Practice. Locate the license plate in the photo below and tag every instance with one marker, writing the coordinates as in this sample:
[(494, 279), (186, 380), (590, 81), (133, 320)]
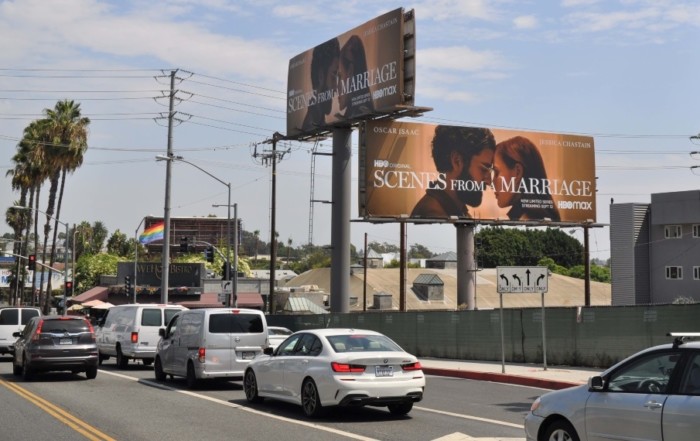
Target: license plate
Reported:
[(384, 371), (248, 355), (65, 341)]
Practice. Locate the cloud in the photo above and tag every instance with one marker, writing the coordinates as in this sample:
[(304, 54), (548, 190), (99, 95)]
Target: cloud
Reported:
[(440, 10), (461, 59), (574, 3), (525, 22)]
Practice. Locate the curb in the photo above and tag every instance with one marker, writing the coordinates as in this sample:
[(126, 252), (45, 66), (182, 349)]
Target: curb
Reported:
[(501, 378)]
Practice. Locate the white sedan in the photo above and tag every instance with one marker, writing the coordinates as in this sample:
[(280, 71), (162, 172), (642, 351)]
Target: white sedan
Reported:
[(337, 367), (276, 335)]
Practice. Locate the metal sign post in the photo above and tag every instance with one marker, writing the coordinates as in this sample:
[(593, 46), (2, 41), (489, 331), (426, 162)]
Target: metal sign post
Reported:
[(522, 279)]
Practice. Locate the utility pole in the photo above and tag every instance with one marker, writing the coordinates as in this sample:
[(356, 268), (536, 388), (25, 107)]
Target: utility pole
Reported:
[(165, 262), (273, 157)]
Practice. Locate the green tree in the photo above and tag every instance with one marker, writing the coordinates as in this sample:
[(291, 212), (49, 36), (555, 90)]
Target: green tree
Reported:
[(119, 244), (90, 267), (418, 251)]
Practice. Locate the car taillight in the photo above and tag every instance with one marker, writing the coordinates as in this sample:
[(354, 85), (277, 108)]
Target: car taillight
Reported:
[(134, 337), (345, 367), (412, 366), (201, 355), (37, 334)]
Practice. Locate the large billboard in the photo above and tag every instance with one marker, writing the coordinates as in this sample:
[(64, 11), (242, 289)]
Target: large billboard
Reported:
[(353, 76), (428, 172)]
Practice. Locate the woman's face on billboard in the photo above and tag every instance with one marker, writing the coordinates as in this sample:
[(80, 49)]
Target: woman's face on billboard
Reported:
[(505, 180)]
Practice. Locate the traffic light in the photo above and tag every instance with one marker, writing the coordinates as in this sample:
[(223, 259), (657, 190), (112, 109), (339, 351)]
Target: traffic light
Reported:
[(183, 244), (209, 254), (68, 286), (31, 262), (127, 284)]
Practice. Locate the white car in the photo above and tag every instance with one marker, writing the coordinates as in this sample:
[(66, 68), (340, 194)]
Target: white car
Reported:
[(652, 395), (319, 368), (276, 335)]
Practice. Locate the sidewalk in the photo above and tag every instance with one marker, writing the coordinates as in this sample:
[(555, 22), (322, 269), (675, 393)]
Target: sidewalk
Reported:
[(554, 377)]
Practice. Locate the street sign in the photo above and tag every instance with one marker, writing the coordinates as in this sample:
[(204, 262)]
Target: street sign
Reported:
[(226, 291), (522, 279)]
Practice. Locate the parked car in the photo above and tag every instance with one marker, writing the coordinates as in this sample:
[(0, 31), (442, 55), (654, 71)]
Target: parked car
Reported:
[(652, 395), (13, 319), (55, 343), (276, 335), (337, 367), (130, 332), (210, 343)]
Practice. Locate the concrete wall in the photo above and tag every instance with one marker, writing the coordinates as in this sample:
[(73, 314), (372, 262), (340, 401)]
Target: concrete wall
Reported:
[(589, 337)]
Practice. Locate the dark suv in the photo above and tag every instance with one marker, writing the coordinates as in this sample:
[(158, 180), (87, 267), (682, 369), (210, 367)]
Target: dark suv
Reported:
[(56, 343)]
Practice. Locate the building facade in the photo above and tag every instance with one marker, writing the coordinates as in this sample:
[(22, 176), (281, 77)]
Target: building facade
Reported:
[(655, 257)]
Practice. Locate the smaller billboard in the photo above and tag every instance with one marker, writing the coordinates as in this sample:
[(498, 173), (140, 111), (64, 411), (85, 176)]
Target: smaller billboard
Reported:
[(350, 77), (447, 173)]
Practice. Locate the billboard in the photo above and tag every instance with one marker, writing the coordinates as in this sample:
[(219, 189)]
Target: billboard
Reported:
[(446, 173), (353, 76)]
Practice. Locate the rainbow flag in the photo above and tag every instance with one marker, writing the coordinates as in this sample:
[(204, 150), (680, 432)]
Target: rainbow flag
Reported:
[(152, 234)]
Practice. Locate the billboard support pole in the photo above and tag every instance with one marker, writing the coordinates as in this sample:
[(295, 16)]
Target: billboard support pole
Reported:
[(466, 270), (402, 271), (340, 220), (587, 264)]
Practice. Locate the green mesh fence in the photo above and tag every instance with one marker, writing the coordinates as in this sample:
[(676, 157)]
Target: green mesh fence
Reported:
[(588, 337)]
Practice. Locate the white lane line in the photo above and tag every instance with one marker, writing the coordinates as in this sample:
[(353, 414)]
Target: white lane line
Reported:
[(469, 417), (457, 436), (243, 408)]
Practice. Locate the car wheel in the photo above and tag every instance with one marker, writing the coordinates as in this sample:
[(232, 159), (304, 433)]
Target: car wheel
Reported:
[(122, 361), (158, 369), (191, 378), (400, 408), (26, 370), (91, 372), (16, 369), (560, 431), (101, 357), (250, 386), (310, 401)]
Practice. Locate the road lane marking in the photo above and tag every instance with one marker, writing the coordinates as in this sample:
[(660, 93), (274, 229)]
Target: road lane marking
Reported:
[(61, 415), (457, 436), (470, 417), (243, 408)]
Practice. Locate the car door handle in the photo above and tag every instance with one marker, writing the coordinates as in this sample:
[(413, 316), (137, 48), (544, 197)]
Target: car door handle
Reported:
[(653, 405)]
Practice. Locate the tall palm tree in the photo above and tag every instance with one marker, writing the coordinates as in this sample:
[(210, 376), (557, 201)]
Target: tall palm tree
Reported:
[(68, 130)]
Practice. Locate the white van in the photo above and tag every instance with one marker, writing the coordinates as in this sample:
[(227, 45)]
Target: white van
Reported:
[(131, 331), (13, 319), (210, 343)]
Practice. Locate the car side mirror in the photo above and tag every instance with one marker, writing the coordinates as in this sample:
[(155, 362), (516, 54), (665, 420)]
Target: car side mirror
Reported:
[(17, 334), (100, 322), (268, 351), (161, 332), (596, 383)]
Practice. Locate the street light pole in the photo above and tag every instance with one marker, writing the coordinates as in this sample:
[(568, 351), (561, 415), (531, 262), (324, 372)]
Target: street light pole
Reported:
[(136, 255), (227, 272), (65, 256)]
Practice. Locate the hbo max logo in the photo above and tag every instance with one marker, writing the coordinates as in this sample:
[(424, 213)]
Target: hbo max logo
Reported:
[(381, 163)]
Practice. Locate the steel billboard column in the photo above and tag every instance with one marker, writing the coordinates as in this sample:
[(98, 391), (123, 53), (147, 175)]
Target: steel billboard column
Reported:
[(466, 269), (340, 221)]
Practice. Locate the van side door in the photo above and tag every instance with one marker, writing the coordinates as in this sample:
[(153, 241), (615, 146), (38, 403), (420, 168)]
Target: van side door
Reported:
[(166, 350)]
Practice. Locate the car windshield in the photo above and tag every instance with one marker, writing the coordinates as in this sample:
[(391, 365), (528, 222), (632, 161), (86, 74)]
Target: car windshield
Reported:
[(62, 326), (362, 343)]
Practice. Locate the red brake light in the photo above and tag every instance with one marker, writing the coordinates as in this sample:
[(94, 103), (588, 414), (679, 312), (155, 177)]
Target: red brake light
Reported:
[(412, 366), (346, 368), (37, 334), (202, 355), (134, 337)]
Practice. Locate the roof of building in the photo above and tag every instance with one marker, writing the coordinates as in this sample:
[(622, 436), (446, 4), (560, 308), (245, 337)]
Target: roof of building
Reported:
[(428, 279), (449, 256), (301, 305)]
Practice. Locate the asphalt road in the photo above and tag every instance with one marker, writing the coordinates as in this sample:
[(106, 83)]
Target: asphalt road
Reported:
[(130, 405)]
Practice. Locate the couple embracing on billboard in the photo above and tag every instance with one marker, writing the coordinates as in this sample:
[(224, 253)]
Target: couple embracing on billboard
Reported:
[(440, 172)]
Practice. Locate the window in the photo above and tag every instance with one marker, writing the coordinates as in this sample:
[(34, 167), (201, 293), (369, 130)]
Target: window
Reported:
[(696, 230), (151, 317), (28, 314), (674, 272), (648, 374), (696, 273), (673, 232), (9, 316), (235, 323), (691, 380)]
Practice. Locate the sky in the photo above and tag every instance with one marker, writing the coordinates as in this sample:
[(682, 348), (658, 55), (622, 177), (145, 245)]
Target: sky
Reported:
[(624, 72)]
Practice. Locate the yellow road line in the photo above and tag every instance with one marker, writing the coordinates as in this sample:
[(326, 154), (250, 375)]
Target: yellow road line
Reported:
[(61, 415)]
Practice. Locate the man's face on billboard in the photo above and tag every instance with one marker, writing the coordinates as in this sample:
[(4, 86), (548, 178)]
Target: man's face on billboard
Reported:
[(479, 171), (330, 82)]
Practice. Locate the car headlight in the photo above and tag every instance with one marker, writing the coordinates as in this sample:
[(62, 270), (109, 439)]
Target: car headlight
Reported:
[(535, 405)]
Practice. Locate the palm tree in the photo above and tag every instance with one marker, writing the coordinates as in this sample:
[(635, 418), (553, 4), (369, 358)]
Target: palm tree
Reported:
[(68, 132), (289, 248)]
